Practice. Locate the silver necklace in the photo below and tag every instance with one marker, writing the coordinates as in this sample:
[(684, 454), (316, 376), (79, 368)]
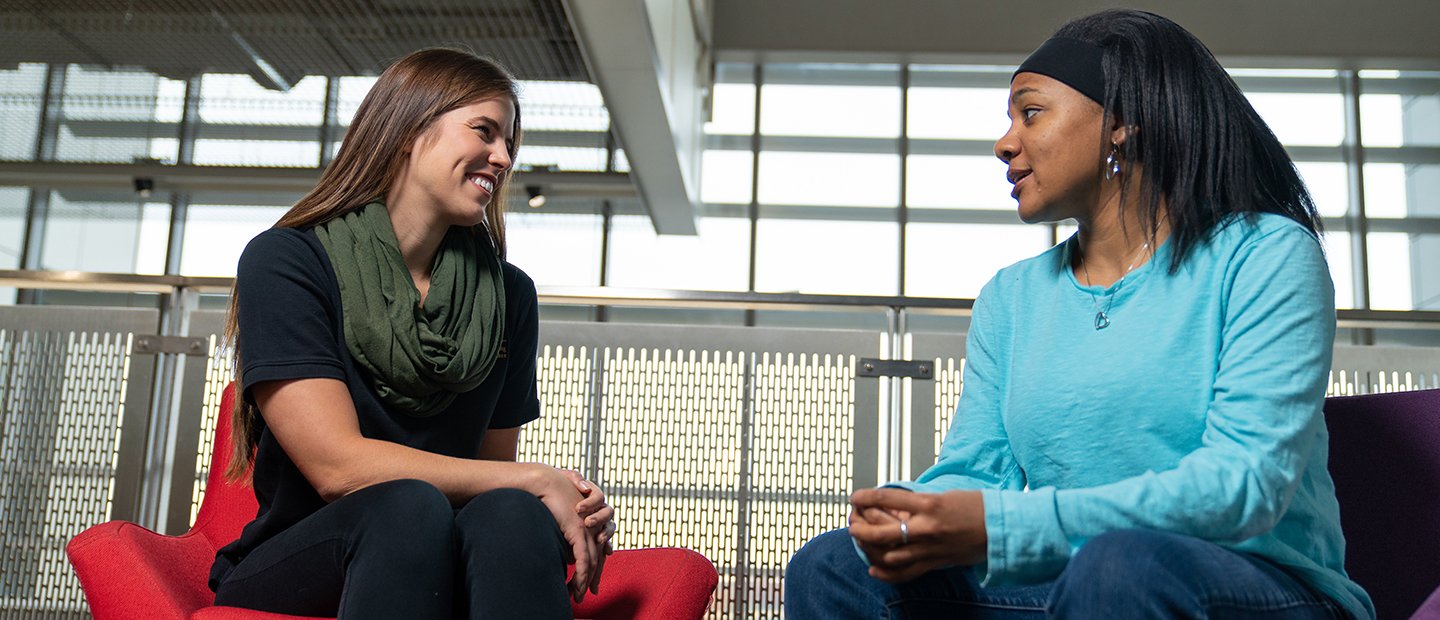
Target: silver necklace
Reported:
[(1102, 315)]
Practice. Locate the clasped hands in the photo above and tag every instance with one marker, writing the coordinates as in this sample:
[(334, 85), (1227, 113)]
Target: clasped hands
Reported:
[(586, 521), (907, 534)]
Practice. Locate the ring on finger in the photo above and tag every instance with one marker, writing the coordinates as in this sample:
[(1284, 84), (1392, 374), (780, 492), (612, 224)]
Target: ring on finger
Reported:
[(904, 532), (612, 527)]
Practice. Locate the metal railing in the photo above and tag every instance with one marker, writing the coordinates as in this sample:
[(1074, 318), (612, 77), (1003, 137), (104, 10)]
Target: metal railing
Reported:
[(739, 442)]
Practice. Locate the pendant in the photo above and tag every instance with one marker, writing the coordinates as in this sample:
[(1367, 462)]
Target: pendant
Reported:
[(1101, 320)]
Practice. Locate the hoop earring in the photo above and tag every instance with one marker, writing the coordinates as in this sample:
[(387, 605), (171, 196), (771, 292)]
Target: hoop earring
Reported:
[(1112, 162)]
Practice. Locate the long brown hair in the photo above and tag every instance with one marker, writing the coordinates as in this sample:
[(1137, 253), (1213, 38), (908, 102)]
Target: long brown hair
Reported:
[(399, 108)]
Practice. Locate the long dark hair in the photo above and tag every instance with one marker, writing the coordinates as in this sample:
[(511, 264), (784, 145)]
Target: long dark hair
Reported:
[(1205, 151), (405, 100)]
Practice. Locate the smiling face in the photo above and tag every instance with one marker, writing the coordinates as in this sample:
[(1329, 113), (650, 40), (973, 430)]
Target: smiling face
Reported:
[(457, 163), (1053, 149)]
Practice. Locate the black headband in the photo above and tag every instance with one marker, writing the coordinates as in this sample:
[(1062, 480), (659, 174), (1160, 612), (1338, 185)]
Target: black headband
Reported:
[(1076, 63)]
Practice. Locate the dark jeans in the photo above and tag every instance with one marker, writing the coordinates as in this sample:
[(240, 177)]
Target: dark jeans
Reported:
[(1124, 574), (399, 550)]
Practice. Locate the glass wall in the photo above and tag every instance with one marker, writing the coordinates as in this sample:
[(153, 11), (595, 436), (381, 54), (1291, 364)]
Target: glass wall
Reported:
[(1400, 118), (880, 179), (847, 179)]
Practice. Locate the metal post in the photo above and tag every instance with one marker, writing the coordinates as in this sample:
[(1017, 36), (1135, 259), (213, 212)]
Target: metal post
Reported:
[(607, 221), (607, 225), (903, 214), (37, 212), (595, 426), (329, 126), (180, 201), (160, 439), (896, 463), (1358, 223), (753, 210), (742, 490)]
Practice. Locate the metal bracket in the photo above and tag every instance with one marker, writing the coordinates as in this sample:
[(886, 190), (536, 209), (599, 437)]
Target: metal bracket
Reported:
[(170, 344), (874, 367)]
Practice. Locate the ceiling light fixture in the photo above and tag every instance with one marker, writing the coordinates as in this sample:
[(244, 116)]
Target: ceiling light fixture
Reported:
[(537, 198)]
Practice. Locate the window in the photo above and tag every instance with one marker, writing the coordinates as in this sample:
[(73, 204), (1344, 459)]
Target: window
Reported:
[(843, 101), (957, 182), (244, 124), (20, 93), (215, 235), (956, 260), (556, 247), (717, 259), (88, 231), (118, 116), (827, 257), (829, 179), (843, 148)]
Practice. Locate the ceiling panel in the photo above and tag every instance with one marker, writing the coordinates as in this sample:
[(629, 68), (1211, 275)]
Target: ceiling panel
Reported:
[(286, 39)]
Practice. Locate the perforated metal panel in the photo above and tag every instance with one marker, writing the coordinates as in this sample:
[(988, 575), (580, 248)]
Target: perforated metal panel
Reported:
[(670, 449), (219, 371), (949, 380), (736, 443), (564, 432), (947, 352), (68, 389), (802, 434), (740, 443), (1374, 370)]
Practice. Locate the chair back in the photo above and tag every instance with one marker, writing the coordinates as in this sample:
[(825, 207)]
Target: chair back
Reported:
[(226, 506), (1385, 459)]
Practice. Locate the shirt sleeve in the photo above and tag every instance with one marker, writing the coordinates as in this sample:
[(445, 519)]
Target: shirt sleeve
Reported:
[(1261, 425), (519, 400), (288, 321), (976, 452)]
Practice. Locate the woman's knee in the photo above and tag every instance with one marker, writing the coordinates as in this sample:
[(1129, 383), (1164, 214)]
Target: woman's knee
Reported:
[(413, 511), (824, 559), (1120, 555), (827, 579), (1123, 552), (514, 507), (1141, 570), (507, 518)]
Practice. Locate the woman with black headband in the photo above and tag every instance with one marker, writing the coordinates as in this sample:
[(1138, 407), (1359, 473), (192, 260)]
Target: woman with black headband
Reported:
[(1140, 432)]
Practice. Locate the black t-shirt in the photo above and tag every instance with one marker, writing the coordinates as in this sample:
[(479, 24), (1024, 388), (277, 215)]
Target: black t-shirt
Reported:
[(291, 328)]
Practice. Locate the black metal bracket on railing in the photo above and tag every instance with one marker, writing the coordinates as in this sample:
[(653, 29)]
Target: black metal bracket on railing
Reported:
[(874, 367), (172, 344)]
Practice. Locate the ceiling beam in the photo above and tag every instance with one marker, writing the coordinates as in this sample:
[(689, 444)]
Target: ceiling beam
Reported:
[(264, 73), (1395, 34), (69, 37), (647, 60)]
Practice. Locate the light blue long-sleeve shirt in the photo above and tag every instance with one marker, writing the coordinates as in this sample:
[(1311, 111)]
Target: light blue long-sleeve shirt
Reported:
[(1197, 411)]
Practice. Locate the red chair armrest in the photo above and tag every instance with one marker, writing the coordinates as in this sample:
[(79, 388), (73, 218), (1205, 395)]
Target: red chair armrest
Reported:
[(130, 572), (652, 584)]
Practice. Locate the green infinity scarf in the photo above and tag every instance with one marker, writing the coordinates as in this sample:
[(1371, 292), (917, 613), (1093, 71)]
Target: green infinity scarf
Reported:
[(419, 358)]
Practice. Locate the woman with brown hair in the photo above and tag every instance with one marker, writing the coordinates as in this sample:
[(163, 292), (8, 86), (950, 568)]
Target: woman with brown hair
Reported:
[(386, 359)]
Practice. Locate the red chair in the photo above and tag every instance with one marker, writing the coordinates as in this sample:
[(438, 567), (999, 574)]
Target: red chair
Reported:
[(130, 572)]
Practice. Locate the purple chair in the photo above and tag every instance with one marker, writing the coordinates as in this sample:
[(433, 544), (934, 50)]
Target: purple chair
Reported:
[(1385, 458)]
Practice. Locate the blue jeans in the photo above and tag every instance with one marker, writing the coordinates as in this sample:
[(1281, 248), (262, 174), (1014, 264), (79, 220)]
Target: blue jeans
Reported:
[(1123, 574)]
